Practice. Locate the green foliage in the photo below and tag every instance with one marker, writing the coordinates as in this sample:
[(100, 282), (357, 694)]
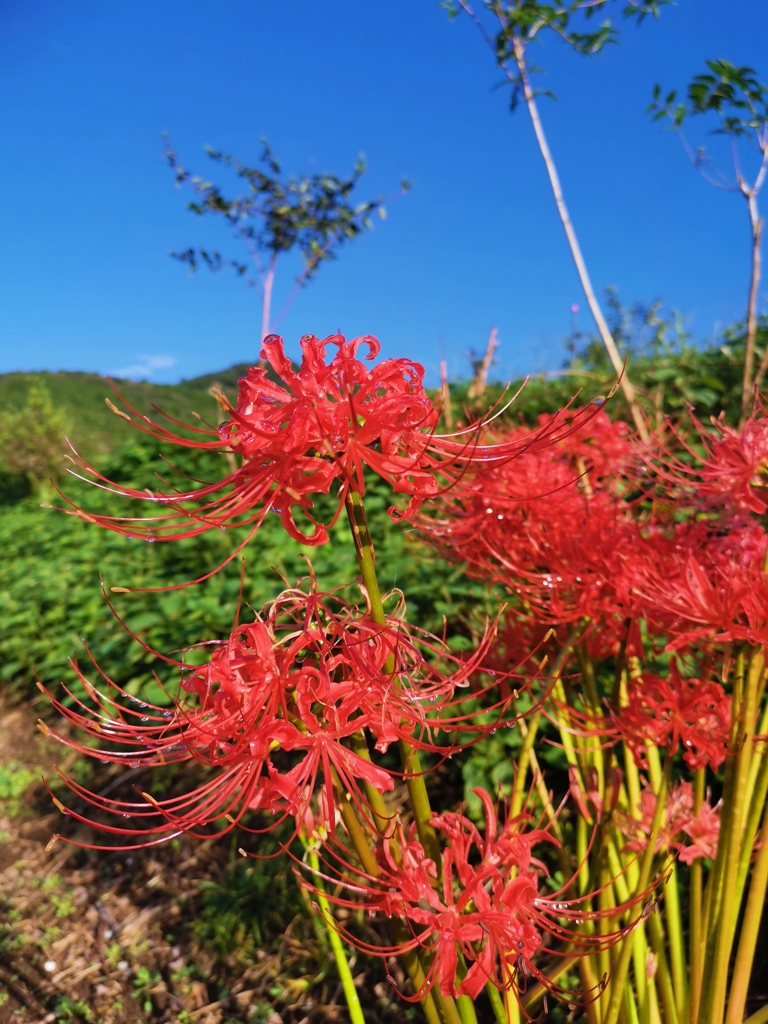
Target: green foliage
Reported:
[(15, 780), (144, 980), (670, 373), (51, 598), (72, 1010), (63, 906), (237, 915), (733, 93), (519, 22), (95, 431), (491, 766), (32, 436), (50, 592), (314, 214)]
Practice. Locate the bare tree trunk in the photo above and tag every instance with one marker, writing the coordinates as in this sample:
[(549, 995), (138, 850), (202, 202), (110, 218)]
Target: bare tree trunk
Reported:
[(578, 259), (477, 387), (266, 298), (266, 302), (748, 389), (446, 409)]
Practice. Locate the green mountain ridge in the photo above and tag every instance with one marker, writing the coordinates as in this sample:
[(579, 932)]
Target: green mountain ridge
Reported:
[(92, 428)]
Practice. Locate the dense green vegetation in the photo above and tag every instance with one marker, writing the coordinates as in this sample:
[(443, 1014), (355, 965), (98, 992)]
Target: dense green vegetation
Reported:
[(50, 593), (92, 428), (51, 597)]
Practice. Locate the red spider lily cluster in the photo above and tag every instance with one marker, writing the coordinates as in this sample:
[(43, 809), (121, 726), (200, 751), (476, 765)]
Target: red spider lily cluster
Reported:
[(483, 901), (635, 574), (315, 432), (694, 713), (273, 713), (687, 833), (644, 549)]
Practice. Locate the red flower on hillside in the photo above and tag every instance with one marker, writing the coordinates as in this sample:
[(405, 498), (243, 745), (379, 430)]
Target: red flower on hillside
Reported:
[(694, 713), (734, 470), (314, 432), (273, 712), (487, 904), (704, 579), (690, 835), (553, 527)]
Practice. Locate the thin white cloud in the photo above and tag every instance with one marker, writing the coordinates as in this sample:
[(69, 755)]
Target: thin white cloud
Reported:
[(144, 367)]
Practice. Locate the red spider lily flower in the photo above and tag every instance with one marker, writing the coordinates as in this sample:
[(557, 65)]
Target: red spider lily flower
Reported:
[(733, 474), (486, 904), (273, 712), (704, 579), (554, 529), (694, 713), (690, 835), (315, 432), (737, 467), (703, 832)]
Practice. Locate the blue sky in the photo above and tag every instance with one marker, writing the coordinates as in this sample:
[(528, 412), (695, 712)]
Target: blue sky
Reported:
[(90, 212)]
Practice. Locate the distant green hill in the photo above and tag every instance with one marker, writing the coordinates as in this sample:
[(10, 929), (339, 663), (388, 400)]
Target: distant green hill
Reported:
[(92, 428)]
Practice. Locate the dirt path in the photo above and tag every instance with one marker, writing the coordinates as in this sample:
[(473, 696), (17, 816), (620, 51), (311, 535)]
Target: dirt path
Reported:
[(109, 938)]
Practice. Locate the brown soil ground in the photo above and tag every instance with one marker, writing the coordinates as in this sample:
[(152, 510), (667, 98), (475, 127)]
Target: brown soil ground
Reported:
[(116, 938)]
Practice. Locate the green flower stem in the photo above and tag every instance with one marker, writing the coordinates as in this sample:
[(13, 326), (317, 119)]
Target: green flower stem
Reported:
[(757, 791), (497, 1004), (356, 1015), (673, 987), (465, 1005), (695, 951), (321, 933), (466, 1009), (597, 756), (400, 932), (750, 928), (382, 818), (582, 845), (757, 762), (759, 1017), (757, 797), (630, 1006), (639, 941), (654, 766), (571, 742), (532, 725), (631, 773), (523, 761), (544, 796), (606, 902), (663, 976), (715, 885), (417, 789), (632, 779), (565, 962), (744, 715), (676, 939), (618, 980), (512, 1007), (415, 972), (653, 1007), (445, 1006)]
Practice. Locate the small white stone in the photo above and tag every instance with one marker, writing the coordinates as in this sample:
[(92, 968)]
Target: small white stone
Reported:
[(50, 966)]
